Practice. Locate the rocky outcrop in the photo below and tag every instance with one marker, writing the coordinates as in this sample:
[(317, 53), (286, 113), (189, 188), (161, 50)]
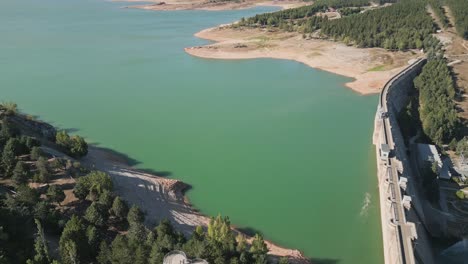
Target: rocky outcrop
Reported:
[(34, 126)]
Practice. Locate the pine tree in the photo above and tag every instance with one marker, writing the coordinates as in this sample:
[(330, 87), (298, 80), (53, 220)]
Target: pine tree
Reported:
[(141, 255), (73, 243), (93, 237), (104, 255), (121, 252), (95, 214), (106, 199), (156, 255), (9, 156), (241, 243), (6, 132), (259, 250), (42, 174), (119, 208), (135, 215), (55, 194), (62, 139), (20, 173), (40, 247), (26, 195), (36, 153), (137, 233), (78, 147)]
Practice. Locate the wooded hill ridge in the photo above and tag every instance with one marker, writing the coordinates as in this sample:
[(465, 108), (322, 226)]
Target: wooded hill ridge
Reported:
[(403, 25)]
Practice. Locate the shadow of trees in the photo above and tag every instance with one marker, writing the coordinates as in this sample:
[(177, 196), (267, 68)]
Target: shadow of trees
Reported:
[(249, 231), (324, 261)]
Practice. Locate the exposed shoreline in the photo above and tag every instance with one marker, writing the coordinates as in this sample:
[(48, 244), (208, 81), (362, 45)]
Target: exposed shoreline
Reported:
[(167, 5), (157, 196), (370, 68), (162, 198)]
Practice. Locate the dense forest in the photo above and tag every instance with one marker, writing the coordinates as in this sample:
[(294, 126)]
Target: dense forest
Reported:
[(347, 11), (381, 2), (281, 17), (459, 10), (100, 227), (437, 111), (274, 19), (404, 25), (343, 3)]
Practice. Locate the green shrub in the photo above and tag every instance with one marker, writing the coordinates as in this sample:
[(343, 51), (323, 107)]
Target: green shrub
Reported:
[(460, 194), (74, 146)]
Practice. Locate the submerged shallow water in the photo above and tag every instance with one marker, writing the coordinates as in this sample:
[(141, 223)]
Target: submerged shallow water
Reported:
[(281, 148)]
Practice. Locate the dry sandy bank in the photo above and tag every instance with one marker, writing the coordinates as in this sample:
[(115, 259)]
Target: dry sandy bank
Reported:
[(371, 68), (161, 198), (212, 5)]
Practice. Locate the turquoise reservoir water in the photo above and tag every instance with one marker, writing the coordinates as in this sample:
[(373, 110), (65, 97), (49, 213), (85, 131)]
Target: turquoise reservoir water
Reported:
[(279, 147)]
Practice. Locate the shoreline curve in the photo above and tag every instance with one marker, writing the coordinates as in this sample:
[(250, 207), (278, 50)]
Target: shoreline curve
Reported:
[(370, 68)]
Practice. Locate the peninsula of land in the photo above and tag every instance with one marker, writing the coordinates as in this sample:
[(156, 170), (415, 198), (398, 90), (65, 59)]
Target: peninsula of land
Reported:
[(370, 68), (211, 5)]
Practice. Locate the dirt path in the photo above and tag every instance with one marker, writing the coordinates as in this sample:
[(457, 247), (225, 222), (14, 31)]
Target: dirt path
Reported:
[(434, 17), (450, 17), (465, 45)]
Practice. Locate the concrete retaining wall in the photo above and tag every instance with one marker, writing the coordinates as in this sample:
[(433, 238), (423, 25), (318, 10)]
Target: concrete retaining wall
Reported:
[(401, 87), (393, 100)]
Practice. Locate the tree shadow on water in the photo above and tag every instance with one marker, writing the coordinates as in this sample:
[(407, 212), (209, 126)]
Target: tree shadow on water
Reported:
[(250, 231), (129, 161), (324, 261), (70, 130), (120, 157), (115, 155)]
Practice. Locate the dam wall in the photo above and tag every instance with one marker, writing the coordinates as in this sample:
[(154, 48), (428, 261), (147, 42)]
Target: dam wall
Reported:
[(401, 211)]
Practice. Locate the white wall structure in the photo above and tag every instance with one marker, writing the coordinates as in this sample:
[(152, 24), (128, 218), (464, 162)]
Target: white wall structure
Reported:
[(179, 257), (398, 202), (175, 257)]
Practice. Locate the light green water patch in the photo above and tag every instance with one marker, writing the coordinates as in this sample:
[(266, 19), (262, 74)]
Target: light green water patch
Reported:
[(279, 147)]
